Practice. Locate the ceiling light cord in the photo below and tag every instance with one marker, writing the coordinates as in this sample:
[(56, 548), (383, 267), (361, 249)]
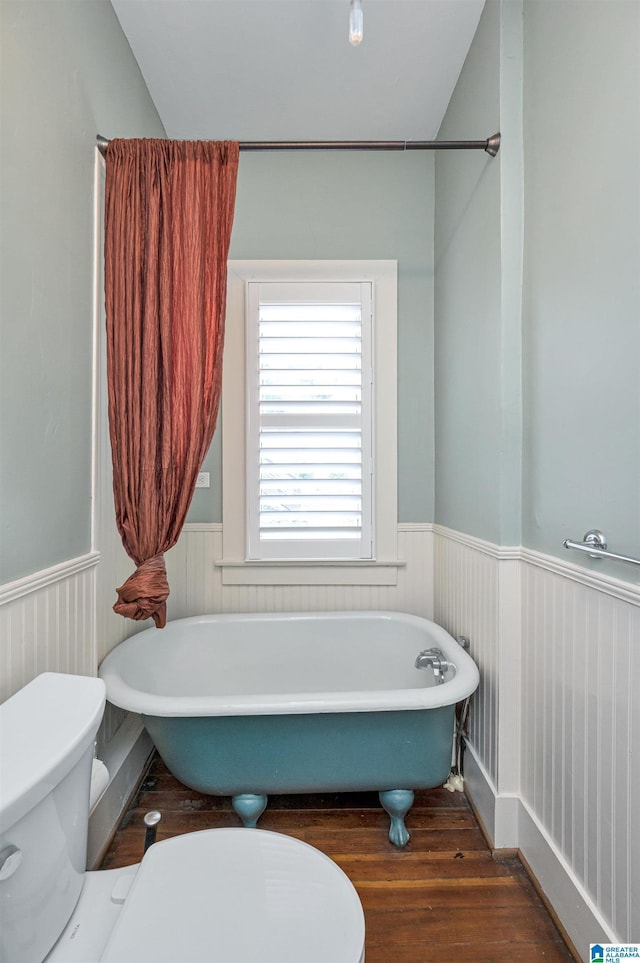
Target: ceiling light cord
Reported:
[(356, 23)]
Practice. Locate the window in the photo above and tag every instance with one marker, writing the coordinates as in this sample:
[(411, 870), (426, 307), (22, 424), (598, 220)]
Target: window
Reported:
[(309, 420), (309, 460)]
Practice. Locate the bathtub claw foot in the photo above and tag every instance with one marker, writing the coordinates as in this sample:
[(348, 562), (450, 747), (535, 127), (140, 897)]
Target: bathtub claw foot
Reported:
[(249, 807), (397, 803)]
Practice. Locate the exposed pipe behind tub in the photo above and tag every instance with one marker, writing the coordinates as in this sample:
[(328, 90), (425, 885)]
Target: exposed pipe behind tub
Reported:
[(455, 782)]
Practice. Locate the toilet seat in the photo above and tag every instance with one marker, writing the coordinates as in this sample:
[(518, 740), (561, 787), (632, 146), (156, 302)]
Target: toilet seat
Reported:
[(238, 896)]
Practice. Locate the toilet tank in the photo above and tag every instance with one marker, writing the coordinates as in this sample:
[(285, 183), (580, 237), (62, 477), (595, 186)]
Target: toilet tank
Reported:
[(47, 733)]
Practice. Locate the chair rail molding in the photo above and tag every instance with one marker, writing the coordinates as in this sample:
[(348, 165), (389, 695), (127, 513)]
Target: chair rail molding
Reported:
[(11, 591)]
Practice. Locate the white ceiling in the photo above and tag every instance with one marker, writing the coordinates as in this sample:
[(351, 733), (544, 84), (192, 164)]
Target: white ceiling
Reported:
[(284, 69)]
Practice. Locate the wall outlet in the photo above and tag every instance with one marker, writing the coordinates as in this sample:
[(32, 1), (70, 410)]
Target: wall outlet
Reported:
[(202, 480)]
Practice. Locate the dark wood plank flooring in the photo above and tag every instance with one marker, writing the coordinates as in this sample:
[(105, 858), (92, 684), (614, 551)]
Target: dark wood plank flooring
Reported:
[(445, 897)]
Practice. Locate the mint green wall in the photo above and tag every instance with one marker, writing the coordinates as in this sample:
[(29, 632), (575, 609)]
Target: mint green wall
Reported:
[(537, 295), (352, 205), (582, 275), (67, 73), (470, 440)]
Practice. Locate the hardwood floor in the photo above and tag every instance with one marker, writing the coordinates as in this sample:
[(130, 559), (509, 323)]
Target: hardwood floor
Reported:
[(445, 897)]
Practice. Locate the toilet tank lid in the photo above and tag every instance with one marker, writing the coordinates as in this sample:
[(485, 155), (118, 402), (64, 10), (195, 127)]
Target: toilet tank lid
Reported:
[(44, 730)]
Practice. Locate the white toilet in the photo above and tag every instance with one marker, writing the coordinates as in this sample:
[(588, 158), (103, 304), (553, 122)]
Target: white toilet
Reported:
[(217, 896)]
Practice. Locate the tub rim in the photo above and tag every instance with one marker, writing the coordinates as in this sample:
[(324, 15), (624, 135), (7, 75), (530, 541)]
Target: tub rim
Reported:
[(465, 681)]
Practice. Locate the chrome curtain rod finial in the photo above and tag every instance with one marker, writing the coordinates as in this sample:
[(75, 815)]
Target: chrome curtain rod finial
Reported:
[(493, 144)]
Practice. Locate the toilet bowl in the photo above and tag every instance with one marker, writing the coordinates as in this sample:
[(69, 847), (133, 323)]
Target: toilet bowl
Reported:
[(224, 896), (219, 895)]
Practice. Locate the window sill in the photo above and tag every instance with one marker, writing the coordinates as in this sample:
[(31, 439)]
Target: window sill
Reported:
[(335, 572)]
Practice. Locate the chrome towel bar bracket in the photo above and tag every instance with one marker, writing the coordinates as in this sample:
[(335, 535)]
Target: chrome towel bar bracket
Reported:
[(595, 545)]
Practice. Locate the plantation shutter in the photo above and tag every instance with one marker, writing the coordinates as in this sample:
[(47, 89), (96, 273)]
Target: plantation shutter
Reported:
[(309, 439)]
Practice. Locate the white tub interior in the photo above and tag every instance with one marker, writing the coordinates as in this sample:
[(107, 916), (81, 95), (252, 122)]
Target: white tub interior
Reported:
[(248, 661)]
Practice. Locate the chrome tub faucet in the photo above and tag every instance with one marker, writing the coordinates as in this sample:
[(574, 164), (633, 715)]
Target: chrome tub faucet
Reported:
[(434, 659)]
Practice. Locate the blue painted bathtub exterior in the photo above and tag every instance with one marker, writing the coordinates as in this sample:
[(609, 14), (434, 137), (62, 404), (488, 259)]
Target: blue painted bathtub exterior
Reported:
[(341, 752)]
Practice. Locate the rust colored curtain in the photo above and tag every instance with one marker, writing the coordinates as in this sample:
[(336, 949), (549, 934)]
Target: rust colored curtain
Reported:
[(168, 217)]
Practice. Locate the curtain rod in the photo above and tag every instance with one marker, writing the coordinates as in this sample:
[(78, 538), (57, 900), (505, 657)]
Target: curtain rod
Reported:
[(491, 145)]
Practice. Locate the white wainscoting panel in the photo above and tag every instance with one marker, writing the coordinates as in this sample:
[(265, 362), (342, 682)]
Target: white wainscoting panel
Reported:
[(46, 624), (466, 581), (554, 761), (581, 733), (197, 586)]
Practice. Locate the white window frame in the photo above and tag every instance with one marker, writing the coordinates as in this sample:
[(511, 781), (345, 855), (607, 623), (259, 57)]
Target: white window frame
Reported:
[(356, 547), (381, 569)]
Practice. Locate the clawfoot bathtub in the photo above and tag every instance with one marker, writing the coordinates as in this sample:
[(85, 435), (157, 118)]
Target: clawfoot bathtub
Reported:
[(248, 705)]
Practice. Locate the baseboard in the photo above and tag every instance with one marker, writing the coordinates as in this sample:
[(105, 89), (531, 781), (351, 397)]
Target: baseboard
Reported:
[(507, 823), (574, 909), (497, 813), (550, 909), (125, 757)]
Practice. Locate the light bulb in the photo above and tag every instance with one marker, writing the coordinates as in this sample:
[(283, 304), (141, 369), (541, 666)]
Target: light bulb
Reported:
[(356, 23)]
